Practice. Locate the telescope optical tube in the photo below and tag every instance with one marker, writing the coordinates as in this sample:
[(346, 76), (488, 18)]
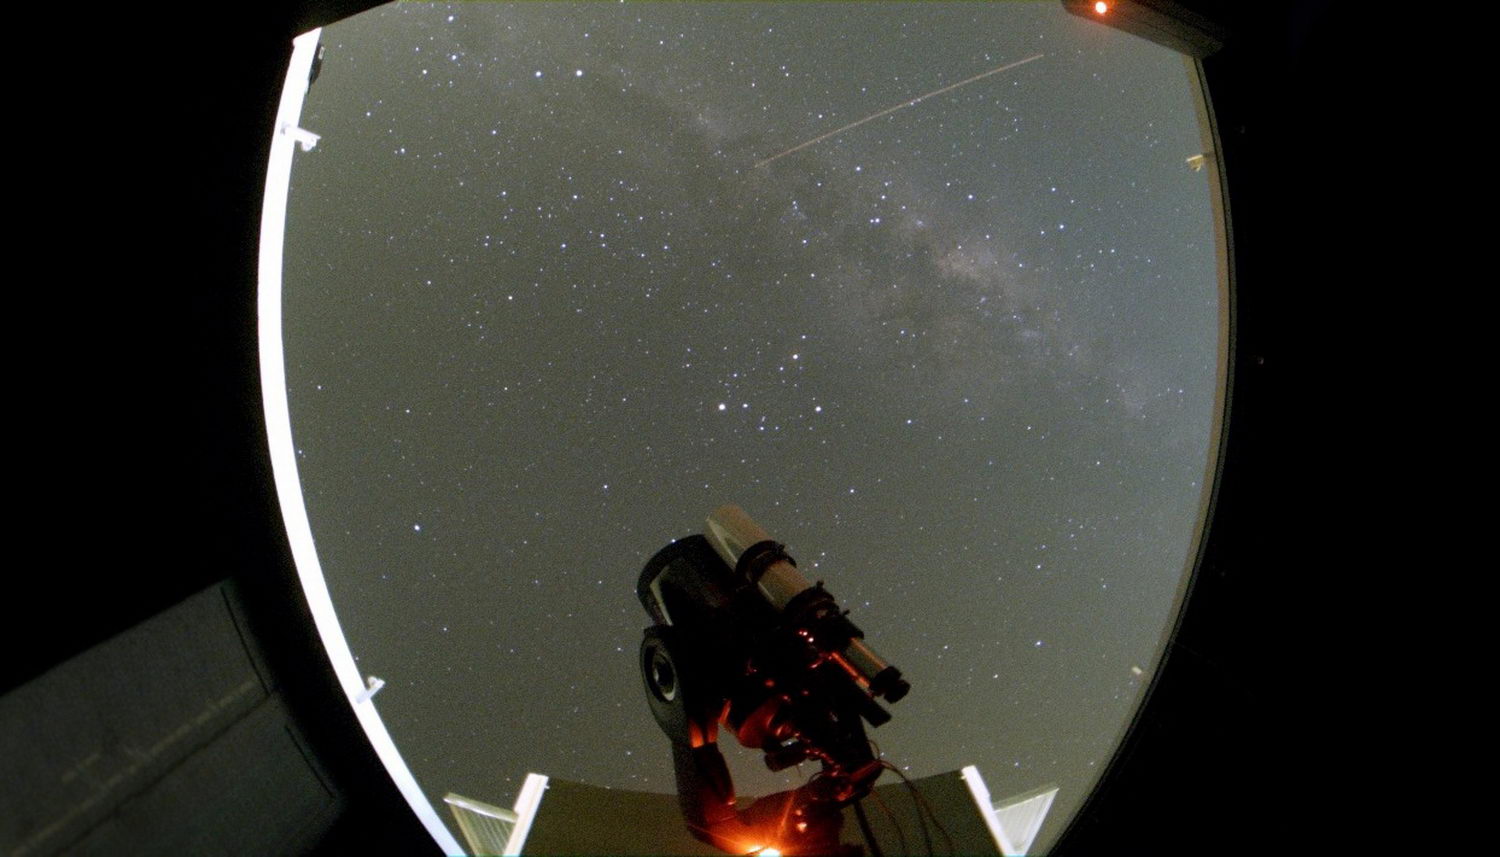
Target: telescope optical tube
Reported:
[(760, 560)]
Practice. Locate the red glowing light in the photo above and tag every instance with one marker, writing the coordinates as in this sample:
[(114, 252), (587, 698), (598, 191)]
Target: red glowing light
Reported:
[(1101, 7)]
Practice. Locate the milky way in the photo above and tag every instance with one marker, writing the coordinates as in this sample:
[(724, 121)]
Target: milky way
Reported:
[(543, 313)]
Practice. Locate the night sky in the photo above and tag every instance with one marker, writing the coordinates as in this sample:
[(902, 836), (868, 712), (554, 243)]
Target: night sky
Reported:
[(543, 313)]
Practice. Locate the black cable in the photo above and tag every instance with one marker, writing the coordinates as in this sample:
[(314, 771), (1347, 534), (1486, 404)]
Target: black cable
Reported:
[(922, 803), (864, 828), (917, 802), (900, 834), (922, 823), (936, 819), (890, 816)]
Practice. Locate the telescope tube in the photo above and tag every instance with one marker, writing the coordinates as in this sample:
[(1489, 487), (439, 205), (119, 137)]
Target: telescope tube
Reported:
[(760, 560)]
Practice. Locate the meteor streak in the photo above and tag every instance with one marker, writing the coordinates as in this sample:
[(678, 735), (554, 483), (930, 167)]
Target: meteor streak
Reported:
[(889, 110)]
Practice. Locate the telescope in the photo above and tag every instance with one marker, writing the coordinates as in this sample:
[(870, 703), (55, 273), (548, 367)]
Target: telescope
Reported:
[(742, 640)]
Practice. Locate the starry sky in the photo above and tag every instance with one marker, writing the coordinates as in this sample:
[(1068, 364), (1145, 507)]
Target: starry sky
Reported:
[(543, 312)]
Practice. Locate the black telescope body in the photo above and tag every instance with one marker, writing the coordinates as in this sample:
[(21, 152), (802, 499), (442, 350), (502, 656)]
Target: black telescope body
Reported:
[(742, 640), (804, 606)]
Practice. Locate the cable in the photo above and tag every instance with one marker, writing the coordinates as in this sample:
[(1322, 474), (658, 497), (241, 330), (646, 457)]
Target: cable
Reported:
[(936, 819), (890, 816), (864, 828), (923, 804), (917, 802), (900, 834)]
